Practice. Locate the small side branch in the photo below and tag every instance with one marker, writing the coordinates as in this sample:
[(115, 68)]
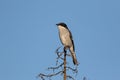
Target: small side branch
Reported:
[(70, 77), (57, 67), (59, 54), (72, 69), (42, 76)]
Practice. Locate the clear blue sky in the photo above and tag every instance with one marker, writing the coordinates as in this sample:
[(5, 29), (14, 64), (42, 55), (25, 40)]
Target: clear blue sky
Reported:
[(29, 37)]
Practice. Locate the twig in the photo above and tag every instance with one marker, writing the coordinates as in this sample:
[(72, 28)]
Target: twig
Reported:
[(70, 77), (59, 54), (57, 67), (48, 75), (74, 70)]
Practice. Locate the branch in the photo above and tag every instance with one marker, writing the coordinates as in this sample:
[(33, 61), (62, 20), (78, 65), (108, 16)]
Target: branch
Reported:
[(57, 67), (70, 77), (42, 76), (74, 70), (59, 54)]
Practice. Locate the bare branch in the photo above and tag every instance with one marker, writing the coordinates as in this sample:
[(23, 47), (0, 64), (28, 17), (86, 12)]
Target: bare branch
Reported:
[(57, 67), (59, 54), (74, 70), (42, 76), (70, 77), (63, 64)]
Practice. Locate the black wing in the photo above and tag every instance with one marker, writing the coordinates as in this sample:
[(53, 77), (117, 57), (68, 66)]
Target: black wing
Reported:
[(72, 40)]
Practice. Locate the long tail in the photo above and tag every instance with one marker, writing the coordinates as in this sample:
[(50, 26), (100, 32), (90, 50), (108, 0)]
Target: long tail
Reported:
[(74, 57)]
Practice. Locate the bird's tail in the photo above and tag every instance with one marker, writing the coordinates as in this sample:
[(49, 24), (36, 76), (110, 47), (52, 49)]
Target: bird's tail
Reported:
[(74, 58)]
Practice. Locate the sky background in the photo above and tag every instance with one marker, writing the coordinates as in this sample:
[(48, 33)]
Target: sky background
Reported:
[(29, 37)]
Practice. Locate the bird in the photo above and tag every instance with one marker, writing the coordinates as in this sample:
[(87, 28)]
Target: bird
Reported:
[(67, 40)]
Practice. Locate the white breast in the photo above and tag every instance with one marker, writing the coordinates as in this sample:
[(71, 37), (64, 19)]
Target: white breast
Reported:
[(64, 36)]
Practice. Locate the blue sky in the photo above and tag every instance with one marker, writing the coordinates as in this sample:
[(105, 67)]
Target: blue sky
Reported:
[(29, 37)]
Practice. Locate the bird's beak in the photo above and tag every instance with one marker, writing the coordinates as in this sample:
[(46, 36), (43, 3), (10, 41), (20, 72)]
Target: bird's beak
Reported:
[(57, 24)]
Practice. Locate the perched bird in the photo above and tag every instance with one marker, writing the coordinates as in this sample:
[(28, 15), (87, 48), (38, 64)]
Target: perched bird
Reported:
[(67, 41)]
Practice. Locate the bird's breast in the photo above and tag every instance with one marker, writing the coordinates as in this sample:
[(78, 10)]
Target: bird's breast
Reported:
[(65, 36), (65, 39)]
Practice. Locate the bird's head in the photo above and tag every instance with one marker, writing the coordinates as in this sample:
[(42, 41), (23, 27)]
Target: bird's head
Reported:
[(62, 25)]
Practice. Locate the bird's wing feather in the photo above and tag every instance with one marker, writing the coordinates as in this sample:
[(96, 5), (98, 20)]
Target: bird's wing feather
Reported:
[(72, 40)]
